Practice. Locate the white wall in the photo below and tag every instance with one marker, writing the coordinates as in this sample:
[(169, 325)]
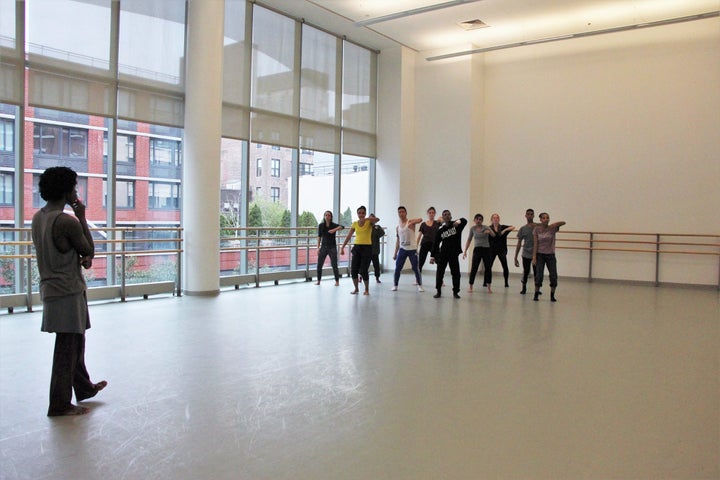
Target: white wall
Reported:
[(610, 133)]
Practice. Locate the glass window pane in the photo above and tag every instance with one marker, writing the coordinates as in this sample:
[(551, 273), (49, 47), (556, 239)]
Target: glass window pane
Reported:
[(359, 88), (273, 86), (58, 33), (316, 186), (354, 186), (233, 165), (318, 78), (157, 55)]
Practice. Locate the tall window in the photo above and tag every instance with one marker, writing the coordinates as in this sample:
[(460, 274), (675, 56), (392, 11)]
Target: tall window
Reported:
[(258, 167), (275, 167), (275, 194), (7, 135), (6, 188)]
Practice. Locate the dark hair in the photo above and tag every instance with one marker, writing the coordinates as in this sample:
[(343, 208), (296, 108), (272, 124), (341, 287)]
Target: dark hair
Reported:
[(361, 207), (443, 212), (530, 210), (56, 182), (402, 208), (479, 215), (431, 208), (544, 213)]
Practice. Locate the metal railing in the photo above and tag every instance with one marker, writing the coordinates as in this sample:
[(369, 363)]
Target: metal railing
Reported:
[(299, 242), (659, 245), (117, 249), (122, 248)]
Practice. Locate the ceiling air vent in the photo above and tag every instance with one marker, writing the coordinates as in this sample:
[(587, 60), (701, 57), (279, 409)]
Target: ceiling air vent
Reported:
[(473, 24)]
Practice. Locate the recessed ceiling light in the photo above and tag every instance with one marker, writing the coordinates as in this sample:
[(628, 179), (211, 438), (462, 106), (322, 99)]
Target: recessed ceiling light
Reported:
[(473, 24)]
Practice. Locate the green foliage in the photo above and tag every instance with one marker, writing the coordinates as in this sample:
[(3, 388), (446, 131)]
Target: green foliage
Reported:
[(285, 218), (346, 218), (229, 221), (255, 216), (307, 219)]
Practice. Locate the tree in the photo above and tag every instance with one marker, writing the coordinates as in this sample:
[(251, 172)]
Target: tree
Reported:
[(307, 219), (285, 218), (346, 218), (255, 216)]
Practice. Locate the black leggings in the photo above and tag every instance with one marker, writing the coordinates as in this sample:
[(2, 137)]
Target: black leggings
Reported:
[(502, 255), (425, 249), (480, 253)]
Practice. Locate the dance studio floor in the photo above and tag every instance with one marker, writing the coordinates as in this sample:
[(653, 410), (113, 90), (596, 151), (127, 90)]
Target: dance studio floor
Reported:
[(299, 381)]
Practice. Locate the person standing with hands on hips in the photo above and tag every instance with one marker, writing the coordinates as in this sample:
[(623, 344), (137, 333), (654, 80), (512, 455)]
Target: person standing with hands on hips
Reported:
[(64, 246)]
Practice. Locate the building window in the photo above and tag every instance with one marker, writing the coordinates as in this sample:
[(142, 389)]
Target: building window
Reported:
[(306, 169), (125, 148), (275, 167), (54, 140), (275, 194), (165, 152), (258, 193), (6, 188), (165, 196), (7, 135), (124, 194), (276, 136), (258, 167)]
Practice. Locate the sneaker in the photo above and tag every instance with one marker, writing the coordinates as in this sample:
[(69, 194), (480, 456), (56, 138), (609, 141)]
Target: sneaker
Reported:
[(420, 289), (456, 295), (437, 295), (394, 289)]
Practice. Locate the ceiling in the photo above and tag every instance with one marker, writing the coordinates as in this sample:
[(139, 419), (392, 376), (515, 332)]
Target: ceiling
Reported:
[(509, 21)]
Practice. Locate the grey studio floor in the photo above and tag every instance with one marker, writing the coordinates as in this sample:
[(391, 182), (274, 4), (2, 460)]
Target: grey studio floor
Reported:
[(298, 381)]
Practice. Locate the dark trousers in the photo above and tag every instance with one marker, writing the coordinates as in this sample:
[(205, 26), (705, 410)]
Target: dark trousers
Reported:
[(375, 259), (480, 253), (361, 257), (442, 262), (69, 372), (322, 254), (527, 263), (424, 250), (551, 262), (502, 256)]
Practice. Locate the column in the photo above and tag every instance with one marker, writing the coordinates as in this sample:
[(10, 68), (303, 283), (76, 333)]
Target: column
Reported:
[(201, 156)]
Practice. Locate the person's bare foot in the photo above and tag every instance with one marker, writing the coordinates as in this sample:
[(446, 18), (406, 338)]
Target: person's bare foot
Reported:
[(96, 388), (71, 410), (366, 292), (337, 284), (317, 283), (470, 289), (489, 289)]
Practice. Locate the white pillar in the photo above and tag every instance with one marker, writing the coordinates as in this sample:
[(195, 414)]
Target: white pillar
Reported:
[(201, 159)]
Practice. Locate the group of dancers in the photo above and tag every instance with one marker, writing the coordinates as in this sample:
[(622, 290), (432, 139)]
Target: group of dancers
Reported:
[(442, 241)]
